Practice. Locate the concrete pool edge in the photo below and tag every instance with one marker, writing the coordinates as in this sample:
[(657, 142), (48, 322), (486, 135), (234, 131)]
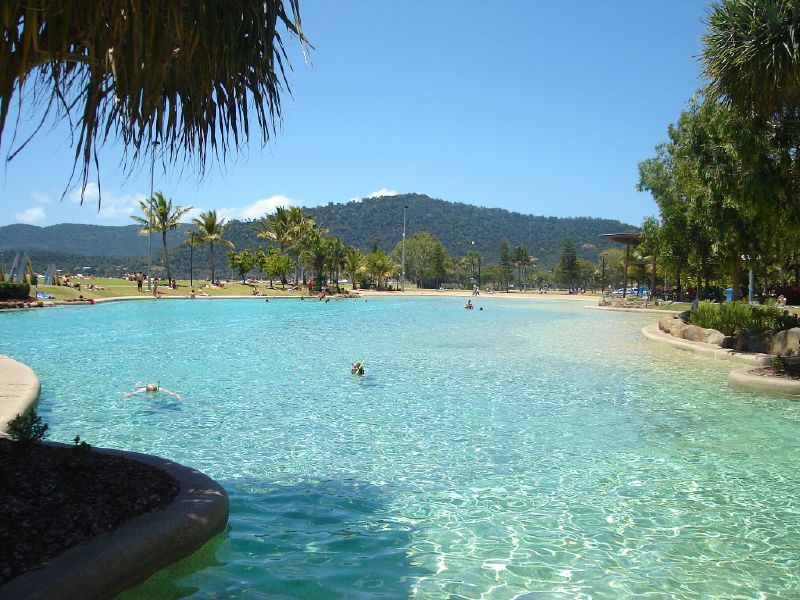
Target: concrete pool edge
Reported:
[(652, 332), (112, 562), (746, 379), (19, 389)]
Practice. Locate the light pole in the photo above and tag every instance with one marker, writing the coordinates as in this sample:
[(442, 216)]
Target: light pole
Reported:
[(191, 260), (403, 268), (150, 218)]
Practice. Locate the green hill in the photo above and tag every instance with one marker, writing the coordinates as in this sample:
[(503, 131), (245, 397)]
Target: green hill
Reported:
[(364, 224)]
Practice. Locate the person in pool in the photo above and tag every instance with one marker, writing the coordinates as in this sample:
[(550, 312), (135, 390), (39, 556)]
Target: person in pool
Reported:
[(357, 368), (152, 388)]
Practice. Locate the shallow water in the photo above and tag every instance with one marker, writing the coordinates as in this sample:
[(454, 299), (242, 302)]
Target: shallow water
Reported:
[(530, 447)]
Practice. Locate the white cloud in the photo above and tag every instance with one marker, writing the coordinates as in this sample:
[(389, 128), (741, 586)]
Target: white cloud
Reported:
[(383, 192), (264, 206), (112, 206), (30, 215), (376, 194), (40, 197)]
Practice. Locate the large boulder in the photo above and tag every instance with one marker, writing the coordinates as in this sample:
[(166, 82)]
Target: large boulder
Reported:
[(700, 334), (786, 343), (759, 342)]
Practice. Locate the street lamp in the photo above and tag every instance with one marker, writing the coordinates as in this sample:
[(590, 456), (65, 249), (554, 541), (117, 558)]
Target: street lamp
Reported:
[(403, 268), (150, 218)]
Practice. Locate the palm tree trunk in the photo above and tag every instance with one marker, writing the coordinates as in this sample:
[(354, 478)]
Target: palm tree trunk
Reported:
[(166, 255), (211, 258)]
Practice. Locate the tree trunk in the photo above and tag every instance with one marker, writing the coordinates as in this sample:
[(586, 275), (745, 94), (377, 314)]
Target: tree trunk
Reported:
[(653, 277), (211, 258), (736, 280), (166, 255)]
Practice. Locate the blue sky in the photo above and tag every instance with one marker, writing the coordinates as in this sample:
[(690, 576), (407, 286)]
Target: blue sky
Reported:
[(537, 107)]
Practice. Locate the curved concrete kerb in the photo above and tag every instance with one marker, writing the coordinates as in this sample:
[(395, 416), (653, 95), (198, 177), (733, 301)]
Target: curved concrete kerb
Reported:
[(113, 562), (19, 389), (652, 332), (746, 379)]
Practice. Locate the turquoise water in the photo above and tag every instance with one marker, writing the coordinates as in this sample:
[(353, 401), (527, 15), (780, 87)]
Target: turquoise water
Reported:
[(529, 448)]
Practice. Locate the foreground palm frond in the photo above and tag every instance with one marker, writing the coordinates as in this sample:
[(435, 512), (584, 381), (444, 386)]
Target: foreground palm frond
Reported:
[(752, 54), (191, 74)]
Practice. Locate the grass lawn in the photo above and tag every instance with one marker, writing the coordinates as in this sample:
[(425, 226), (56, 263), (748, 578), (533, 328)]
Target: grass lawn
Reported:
[(117, 288)]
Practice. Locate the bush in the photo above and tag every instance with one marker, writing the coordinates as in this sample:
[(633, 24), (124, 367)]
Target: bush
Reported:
[(27, 428), (739, 317), (14, 291)]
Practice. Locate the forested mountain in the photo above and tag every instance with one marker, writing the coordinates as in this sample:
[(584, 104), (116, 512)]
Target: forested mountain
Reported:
[(364, 224), (379, 221)]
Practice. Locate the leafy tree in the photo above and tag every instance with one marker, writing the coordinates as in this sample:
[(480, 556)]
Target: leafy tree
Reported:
[(160, 216), (272, 263), (210, 230), (242, 262), (611, 267), (193, 75), (506, 268), (568, 265), (426, 259)]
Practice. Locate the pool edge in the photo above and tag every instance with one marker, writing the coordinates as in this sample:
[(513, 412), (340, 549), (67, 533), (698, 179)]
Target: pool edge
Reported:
[(113, 562)]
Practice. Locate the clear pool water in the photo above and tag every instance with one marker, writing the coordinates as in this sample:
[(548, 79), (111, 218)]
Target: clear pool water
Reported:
[(529, 448)]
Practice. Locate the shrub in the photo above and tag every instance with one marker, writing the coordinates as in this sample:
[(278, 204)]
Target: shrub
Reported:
[(740, 317), (27, 428), (14, 291)]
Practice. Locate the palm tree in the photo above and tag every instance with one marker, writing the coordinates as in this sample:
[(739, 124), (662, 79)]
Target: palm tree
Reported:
[(752, 54), (521, 259), (191, 75), (354, 260), (277, 227), (315, 257), (160, 216), (335, 259), (210, 230)]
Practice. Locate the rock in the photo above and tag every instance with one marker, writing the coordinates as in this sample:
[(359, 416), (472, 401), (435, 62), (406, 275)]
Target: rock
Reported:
[(786, 343), (729, 341), (666, 322), (759, 342)]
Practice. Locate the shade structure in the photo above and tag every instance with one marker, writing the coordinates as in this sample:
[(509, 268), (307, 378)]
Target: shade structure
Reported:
[(630, 238)]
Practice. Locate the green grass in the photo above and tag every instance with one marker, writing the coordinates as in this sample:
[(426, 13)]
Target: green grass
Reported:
[(118, 288)]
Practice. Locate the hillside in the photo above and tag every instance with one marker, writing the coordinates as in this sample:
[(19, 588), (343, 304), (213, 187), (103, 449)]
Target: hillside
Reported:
[(364, 224)]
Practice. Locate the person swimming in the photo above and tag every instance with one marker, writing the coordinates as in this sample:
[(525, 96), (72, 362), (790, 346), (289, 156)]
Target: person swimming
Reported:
[(152, 388), (468, 305), (357, 368)]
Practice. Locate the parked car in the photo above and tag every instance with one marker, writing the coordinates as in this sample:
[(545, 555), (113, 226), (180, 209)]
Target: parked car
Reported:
[(630, 292)]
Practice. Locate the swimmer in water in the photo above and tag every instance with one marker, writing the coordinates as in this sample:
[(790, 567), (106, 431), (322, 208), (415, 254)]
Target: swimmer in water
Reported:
[(357, 368), (152, 388)]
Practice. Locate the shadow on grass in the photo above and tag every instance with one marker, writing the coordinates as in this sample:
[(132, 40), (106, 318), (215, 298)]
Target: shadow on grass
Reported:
[(313, 539)]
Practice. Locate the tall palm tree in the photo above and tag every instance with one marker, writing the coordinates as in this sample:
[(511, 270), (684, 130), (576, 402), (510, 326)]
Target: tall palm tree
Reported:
[(210, 230), (160, 216), (277, 227)]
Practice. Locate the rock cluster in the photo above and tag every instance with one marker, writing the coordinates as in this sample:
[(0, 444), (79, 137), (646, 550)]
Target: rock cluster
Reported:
[(779, 343)]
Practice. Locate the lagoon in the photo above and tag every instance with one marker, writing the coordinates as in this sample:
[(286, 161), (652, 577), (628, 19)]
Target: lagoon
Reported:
[(534, 446)]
